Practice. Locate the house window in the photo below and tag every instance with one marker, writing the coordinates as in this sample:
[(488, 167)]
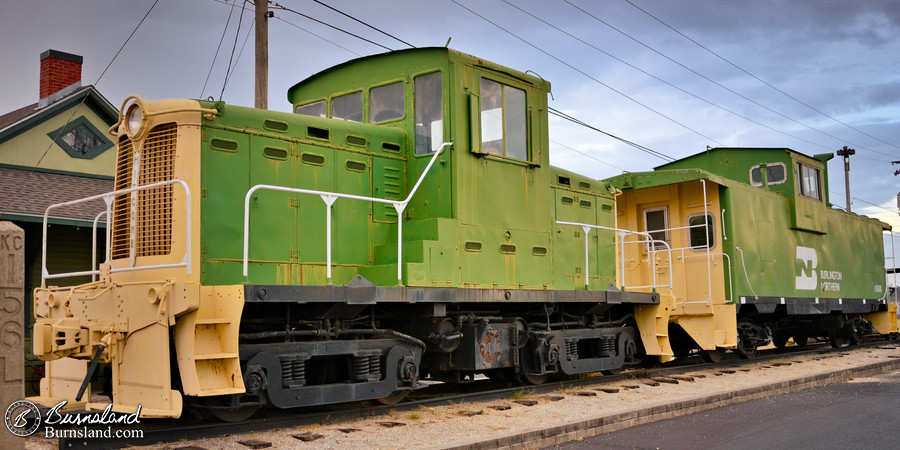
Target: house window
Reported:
[(701, 232), (386, 103), (503, 120), (315, 109), (656, 222), (808, 178), (80, 139), (775, 174), (429, 110), (348, 107)]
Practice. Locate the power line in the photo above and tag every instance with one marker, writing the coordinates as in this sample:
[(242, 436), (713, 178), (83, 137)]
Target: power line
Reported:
[(279, 6), (316, 35), (589, 156), (711, 103), (75, 110), (364, 23), (246, 38), (763, 81), (233, 47), (587, 75), (638, 41), (216, 56), (642, 148)]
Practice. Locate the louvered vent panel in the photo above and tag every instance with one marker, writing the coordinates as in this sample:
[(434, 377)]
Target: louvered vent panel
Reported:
[(154, 218), (122, 205)]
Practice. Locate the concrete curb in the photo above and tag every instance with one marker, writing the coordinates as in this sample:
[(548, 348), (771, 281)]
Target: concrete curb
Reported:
[(637, 416)]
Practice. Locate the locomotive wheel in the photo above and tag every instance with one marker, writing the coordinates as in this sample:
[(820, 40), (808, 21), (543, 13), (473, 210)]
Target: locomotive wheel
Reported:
[(780, 340), (801, 340), (836, 338), (713, 356), (525, 378), (395, 397), (229, 415), (611, 371)]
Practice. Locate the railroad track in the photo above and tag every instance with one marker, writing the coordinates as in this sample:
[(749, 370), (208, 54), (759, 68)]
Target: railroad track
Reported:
[(170, 430)]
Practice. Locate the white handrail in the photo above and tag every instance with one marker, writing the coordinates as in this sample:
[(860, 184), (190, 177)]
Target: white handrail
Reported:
[(94, 241), (108, 198), (587, 227), (329, 198)]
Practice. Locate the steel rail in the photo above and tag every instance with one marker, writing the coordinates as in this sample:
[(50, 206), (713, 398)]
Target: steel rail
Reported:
[(171, 430)]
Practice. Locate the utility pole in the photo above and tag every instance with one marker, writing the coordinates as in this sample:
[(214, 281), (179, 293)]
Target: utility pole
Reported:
[(896, 172), (846, 153), (262, 54)]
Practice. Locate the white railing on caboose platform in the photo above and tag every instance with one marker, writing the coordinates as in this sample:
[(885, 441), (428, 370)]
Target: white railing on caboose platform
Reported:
[(329, 198), (108, 199), (651, 245)]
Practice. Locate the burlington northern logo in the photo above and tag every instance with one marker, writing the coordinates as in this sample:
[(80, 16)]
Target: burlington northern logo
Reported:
[(808, 279)]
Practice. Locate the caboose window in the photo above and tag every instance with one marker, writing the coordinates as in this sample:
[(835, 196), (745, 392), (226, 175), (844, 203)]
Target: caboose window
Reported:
[(315, 109), (656, 222), (701, 232), (348, 107), (808, 178), (386, 103), (775, 174), (503, 122), (429, 110)]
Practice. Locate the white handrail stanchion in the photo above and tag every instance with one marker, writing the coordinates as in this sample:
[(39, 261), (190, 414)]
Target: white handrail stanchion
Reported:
[(329, 201), (94, 240), (399, 206), (587, 230)]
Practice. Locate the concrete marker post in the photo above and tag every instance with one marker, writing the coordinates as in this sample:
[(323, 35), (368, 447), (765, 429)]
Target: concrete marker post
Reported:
[(12, 324)]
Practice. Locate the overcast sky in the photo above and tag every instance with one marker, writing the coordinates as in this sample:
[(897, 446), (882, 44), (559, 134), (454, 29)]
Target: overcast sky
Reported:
[(673, 76)]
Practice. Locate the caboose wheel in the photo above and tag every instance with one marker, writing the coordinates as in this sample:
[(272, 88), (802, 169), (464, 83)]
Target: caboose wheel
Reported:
[(779, 340), (746, 350), (713, 356), (836, 338)]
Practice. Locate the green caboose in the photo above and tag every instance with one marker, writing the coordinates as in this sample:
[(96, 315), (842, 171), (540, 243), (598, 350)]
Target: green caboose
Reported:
[(795, 266)]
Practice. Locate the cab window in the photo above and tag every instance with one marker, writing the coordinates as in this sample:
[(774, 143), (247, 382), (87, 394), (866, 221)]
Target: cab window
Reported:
[(315, 109), (386, 103), (808, 178), (503, 120), (348, 107), (429, 112)]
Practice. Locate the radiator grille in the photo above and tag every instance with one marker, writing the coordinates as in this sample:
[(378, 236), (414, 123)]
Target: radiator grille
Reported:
[(153, 224), (122, 203)]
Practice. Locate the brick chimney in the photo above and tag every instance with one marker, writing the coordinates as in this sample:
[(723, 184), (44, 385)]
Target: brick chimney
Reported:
[(60, 71)]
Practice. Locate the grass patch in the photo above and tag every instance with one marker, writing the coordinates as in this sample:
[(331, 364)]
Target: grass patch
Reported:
[(519, 394)]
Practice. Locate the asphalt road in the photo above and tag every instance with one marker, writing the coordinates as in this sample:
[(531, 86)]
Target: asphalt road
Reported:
[(857, 415)]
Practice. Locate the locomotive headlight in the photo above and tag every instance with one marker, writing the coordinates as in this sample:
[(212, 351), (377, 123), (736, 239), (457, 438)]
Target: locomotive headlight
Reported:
[(134, 118)]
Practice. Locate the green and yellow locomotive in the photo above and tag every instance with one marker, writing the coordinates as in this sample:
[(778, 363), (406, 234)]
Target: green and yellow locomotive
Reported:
[(403, 223)]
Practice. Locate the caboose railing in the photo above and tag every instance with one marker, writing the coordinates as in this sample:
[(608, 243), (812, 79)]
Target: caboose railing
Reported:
[(108, 199), (586, 227), (329, 198)]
